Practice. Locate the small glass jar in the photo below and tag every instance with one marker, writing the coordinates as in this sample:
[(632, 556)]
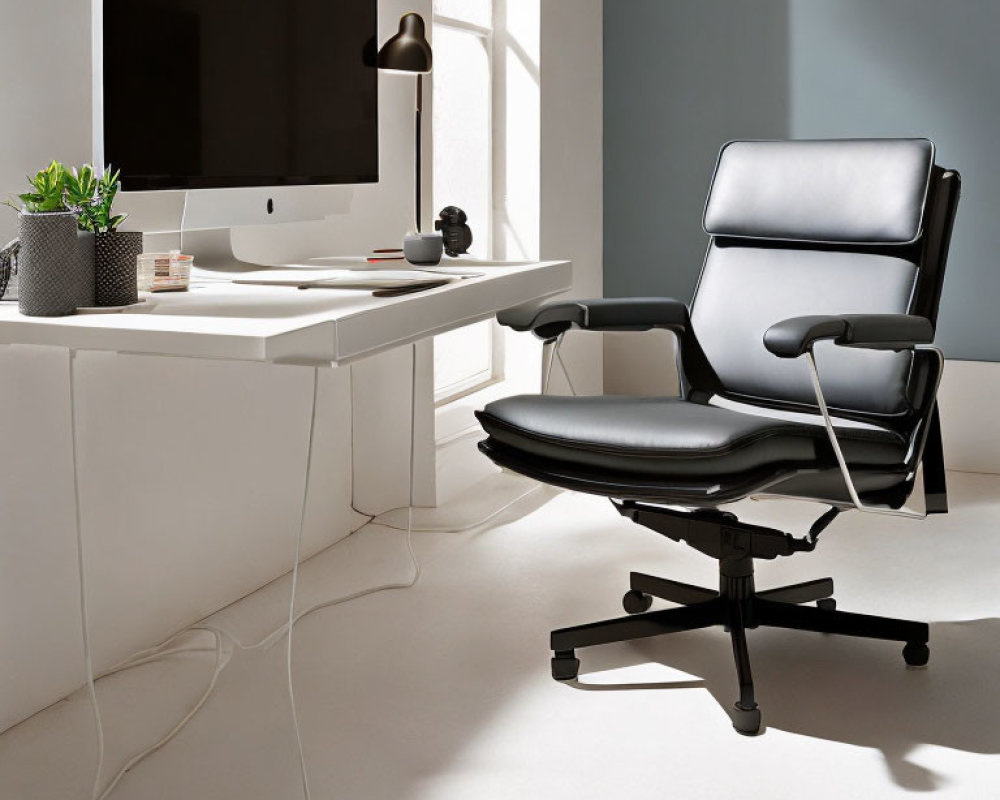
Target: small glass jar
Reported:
[(177, 276), (164, 272), (145, 265)]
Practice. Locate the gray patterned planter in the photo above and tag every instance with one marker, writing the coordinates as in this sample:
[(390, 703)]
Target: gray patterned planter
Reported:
[(56, 265), (115, 272)]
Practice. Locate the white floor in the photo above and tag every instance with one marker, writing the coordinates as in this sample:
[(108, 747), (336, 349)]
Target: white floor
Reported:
[(442, 691)]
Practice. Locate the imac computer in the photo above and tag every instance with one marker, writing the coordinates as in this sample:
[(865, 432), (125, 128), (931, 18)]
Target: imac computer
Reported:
[(226, 113)]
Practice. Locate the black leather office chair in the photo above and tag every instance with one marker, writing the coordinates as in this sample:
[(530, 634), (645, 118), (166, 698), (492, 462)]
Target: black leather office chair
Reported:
[(800, 377)]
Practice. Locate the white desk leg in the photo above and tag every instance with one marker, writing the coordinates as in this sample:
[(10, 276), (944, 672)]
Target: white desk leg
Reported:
[(379, 389)]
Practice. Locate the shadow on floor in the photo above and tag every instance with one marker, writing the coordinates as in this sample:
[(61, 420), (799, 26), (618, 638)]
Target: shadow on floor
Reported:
[(853, 691)]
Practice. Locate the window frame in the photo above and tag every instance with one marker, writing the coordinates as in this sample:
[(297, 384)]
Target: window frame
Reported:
[(484, 378)]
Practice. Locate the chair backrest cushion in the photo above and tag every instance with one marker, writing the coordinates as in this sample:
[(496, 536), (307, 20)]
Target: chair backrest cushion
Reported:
[(861, 191), (811, 227)]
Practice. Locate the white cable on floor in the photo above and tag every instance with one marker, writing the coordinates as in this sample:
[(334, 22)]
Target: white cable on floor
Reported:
[(157, 653), (276, 635), (153, 654), (295, 581), (468, 527), (219, 666), (88, 660)]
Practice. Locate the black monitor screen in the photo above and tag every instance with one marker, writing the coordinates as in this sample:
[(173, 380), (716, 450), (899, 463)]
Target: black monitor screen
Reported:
[(217, 93)]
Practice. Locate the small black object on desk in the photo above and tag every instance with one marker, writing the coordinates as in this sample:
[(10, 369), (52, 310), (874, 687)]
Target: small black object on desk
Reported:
[(456, 233)]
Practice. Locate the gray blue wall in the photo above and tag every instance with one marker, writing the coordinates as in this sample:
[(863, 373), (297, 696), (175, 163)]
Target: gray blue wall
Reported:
[(683, 76), (680, 78)]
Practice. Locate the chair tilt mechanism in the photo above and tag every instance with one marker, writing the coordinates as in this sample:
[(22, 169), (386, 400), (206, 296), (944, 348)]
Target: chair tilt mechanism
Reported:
[(805, 373)]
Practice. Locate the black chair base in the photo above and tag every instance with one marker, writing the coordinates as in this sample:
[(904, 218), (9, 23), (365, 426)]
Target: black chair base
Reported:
[(737, 607)]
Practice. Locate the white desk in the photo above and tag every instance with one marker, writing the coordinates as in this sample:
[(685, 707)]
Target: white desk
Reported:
[(285, 325), (218, 478)]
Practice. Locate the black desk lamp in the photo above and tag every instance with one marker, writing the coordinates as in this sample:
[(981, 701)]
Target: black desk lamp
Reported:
[(408, 51)]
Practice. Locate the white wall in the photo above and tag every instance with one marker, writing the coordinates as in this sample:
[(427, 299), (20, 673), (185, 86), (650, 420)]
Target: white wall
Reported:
[(970, 424), (517, 130), (44, 91), (572, 205)]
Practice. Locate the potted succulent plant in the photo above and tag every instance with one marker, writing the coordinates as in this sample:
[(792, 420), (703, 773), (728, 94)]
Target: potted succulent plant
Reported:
[(115, 268), (56, 260)]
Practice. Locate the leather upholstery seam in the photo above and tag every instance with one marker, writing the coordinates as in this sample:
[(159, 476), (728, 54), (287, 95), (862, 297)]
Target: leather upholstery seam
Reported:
[(651, 453)]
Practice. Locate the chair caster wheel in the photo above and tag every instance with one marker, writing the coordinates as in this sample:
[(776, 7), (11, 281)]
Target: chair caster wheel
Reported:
[(565, 666), (746, 720), (916, 654), (827, 604), (635, 602)]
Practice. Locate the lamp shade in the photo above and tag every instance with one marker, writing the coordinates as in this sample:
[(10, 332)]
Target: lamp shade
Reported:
[(408, 50)]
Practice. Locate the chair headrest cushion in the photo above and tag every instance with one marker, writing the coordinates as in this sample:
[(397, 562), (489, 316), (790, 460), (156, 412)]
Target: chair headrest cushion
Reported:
[(847, 191)]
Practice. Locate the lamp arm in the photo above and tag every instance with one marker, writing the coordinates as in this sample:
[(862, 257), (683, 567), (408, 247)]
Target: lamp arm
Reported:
[(419, 142)]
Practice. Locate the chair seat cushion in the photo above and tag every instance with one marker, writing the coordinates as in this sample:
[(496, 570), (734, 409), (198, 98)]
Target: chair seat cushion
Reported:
[(674, 437)]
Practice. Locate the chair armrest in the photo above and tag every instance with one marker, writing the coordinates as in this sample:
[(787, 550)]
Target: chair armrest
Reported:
[(791, 338), (602, 314)]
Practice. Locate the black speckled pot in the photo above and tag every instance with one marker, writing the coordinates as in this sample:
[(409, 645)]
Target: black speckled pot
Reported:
[(116, 267)]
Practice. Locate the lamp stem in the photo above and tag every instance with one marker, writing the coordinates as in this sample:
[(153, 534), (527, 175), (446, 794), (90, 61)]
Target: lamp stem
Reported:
[(419, 127)]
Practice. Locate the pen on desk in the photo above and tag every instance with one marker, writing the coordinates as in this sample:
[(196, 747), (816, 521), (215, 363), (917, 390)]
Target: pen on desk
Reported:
[(388, 250), (389, 291), (408, 289)]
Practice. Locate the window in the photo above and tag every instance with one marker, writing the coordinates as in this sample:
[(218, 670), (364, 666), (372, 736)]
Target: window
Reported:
[(463, 114), (466, 359)]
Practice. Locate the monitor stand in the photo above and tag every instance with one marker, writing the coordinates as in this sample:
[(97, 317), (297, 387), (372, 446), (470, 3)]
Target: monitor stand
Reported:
[(213, 251)]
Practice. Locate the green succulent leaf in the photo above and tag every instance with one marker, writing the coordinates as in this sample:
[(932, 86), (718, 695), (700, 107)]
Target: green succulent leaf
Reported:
[(49, 187), (82, 191)]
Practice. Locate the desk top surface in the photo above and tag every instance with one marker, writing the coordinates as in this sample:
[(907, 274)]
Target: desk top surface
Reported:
[(219, 319)]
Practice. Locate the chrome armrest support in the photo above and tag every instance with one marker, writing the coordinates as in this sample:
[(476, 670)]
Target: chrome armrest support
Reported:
[(552, 354), (832, 434)]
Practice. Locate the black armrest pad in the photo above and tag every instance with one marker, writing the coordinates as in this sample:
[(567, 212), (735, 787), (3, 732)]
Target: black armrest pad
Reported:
[(602, 314), (791, 338)]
